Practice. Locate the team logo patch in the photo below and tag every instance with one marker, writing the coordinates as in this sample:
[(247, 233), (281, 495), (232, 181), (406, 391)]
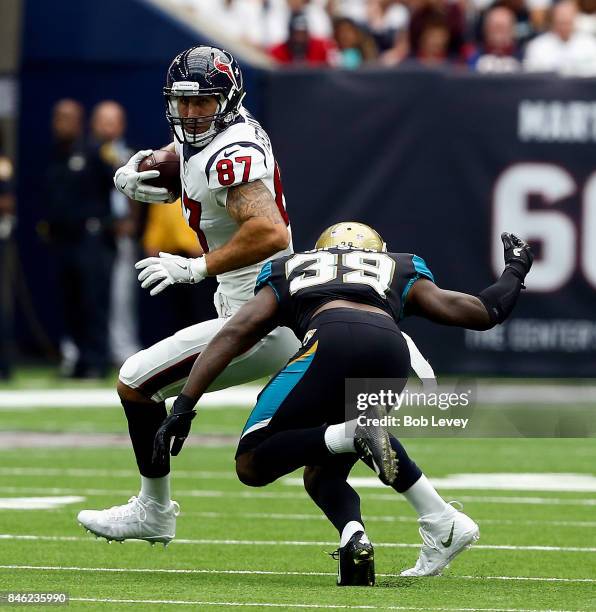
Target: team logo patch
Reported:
[(309, 334), (224, 65)]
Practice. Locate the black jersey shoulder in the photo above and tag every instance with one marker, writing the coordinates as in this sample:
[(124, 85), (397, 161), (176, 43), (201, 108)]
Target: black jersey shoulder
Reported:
[(337, 275)]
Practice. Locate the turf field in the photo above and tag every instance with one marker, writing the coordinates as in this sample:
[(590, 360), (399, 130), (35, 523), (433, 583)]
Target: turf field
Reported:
[(261, 548)]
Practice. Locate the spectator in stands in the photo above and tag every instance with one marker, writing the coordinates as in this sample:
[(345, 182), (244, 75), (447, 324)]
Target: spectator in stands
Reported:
[(79, 222), (539, 13), (108, 124), (357, 10), (398, 52), (301, 47), (562, 49), (277, 19), (431, 18), (354, 45), (242, 20), (523, 28), (386, 18), (586, 19), (498, 51), (433, 42), (7, 223)]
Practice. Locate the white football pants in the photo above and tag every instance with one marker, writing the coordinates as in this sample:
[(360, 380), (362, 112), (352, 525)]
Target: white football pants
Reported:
[(161, 370)]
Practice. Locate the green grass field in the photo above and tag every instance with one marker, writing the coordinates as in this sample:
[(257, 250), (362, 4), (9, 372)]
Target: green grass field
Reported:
[(261, 548)]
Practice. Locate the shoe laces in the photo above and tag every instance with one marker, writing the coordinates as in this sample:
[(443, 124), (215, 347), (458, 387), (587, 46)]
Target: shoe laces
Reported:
[(427, 539), (134, 507)]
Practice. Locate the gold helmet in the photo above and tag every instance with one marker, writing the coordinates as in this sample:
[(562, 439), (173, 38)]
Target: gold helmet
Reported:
[(351, 234)]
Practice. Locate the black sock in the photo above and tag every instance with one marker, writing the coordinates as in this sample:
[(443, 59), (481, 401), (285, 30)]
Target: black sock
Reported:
[(327, 485), (407, 471), (289, 450), (144, 419)]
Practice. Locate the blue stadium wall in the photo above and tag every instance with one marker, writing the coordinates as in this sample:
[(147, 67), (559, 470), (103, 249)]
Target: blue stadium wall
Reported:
[(439, 163)]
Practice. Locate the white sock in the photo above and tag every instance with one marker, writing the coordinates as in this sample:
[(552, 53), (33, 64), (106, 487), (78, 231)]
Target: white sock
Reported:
[(349, 530), (424, 498), (340, 438), (156, 489)]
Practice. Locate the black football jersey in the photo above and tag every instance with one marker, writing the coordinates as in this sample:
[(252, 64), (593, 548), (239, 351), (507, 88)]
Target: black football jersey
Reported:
[(303, 282)]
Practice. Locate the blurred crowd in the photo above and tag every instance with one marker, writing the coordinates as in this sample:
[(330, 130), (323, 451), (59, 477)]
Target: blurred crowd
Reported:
[(93, 235), (7, 223), (481, 35)]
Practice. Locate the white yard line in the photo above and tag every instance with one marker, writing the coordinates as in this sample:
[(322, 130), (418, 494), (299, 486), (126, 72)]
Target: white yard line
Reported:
[(538, 481), (393, 498), (229, 475), (149, 570), (557, 482), (100, 398), (245, 396), (230, 542), (288, 605)]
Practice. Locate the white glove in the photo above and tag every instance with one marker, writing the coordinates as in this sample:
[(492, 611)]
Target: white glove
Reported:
[(129, 181), (170, 269)]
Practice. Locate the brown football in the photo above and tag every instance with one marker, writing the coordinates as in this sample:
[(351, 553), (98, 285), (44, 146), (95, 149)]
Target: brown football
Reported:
[(168, 164)]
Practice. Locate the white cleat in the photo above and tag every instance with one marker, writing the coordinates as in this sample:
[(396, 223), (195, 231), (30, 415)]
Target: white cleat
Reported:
[(444, 536), (136, 520)]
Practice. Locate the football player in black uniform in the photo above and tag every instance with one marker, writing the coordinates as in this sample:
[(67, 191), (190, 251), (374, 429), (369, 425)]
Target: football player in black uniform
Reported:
[(345, 299)]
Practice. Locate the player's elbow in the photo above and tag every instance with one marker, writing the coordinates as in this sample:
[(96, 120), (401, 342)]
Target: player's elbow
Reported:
[(278, 238)]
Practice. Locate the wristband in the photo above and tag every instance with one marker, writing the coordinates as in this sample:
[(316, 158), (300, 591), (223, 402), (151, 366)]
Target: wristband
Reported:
[(197, 270), (499, 299), (183, 403), (518, 268)]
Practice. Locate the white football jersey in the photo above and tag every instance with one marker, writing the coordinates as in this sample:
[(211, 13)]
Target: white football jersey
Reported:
[(239, 154)]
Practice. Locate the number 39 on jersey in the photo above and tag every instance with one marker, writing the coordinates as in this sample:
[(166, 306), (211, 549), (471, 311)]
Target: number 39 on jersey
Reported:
[(304, 281)]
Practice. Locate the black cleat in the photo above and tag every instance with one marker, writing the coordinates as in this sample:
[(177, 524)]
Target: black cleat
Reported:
[(373, 446), (356, 562)]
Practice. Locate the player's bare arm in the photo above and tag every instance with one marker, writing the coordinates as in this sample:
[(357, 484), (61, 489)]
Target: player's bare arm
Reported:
[(251, 323), (261, 233), (427, 300), (493, 305)]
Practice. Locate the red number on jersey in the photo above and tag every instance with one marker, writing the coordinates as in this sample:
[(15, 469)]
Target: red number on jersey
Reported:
[(247, 161), (225, 172), (192, 212)]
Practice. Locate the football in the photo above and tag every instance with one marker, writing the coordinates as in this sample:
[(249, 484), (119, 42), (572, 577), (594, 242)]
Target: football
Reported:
[(168, 164)]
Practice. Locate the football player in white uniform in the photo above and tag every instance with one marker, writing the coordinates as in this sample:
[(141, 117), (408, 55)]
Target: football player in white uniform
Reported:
[(232, 198)]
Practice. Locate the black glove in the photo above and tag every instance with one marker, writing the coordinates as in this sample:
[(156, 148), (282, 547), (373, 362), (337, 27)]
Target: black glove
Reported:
[(518, 254), (176, 425)]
